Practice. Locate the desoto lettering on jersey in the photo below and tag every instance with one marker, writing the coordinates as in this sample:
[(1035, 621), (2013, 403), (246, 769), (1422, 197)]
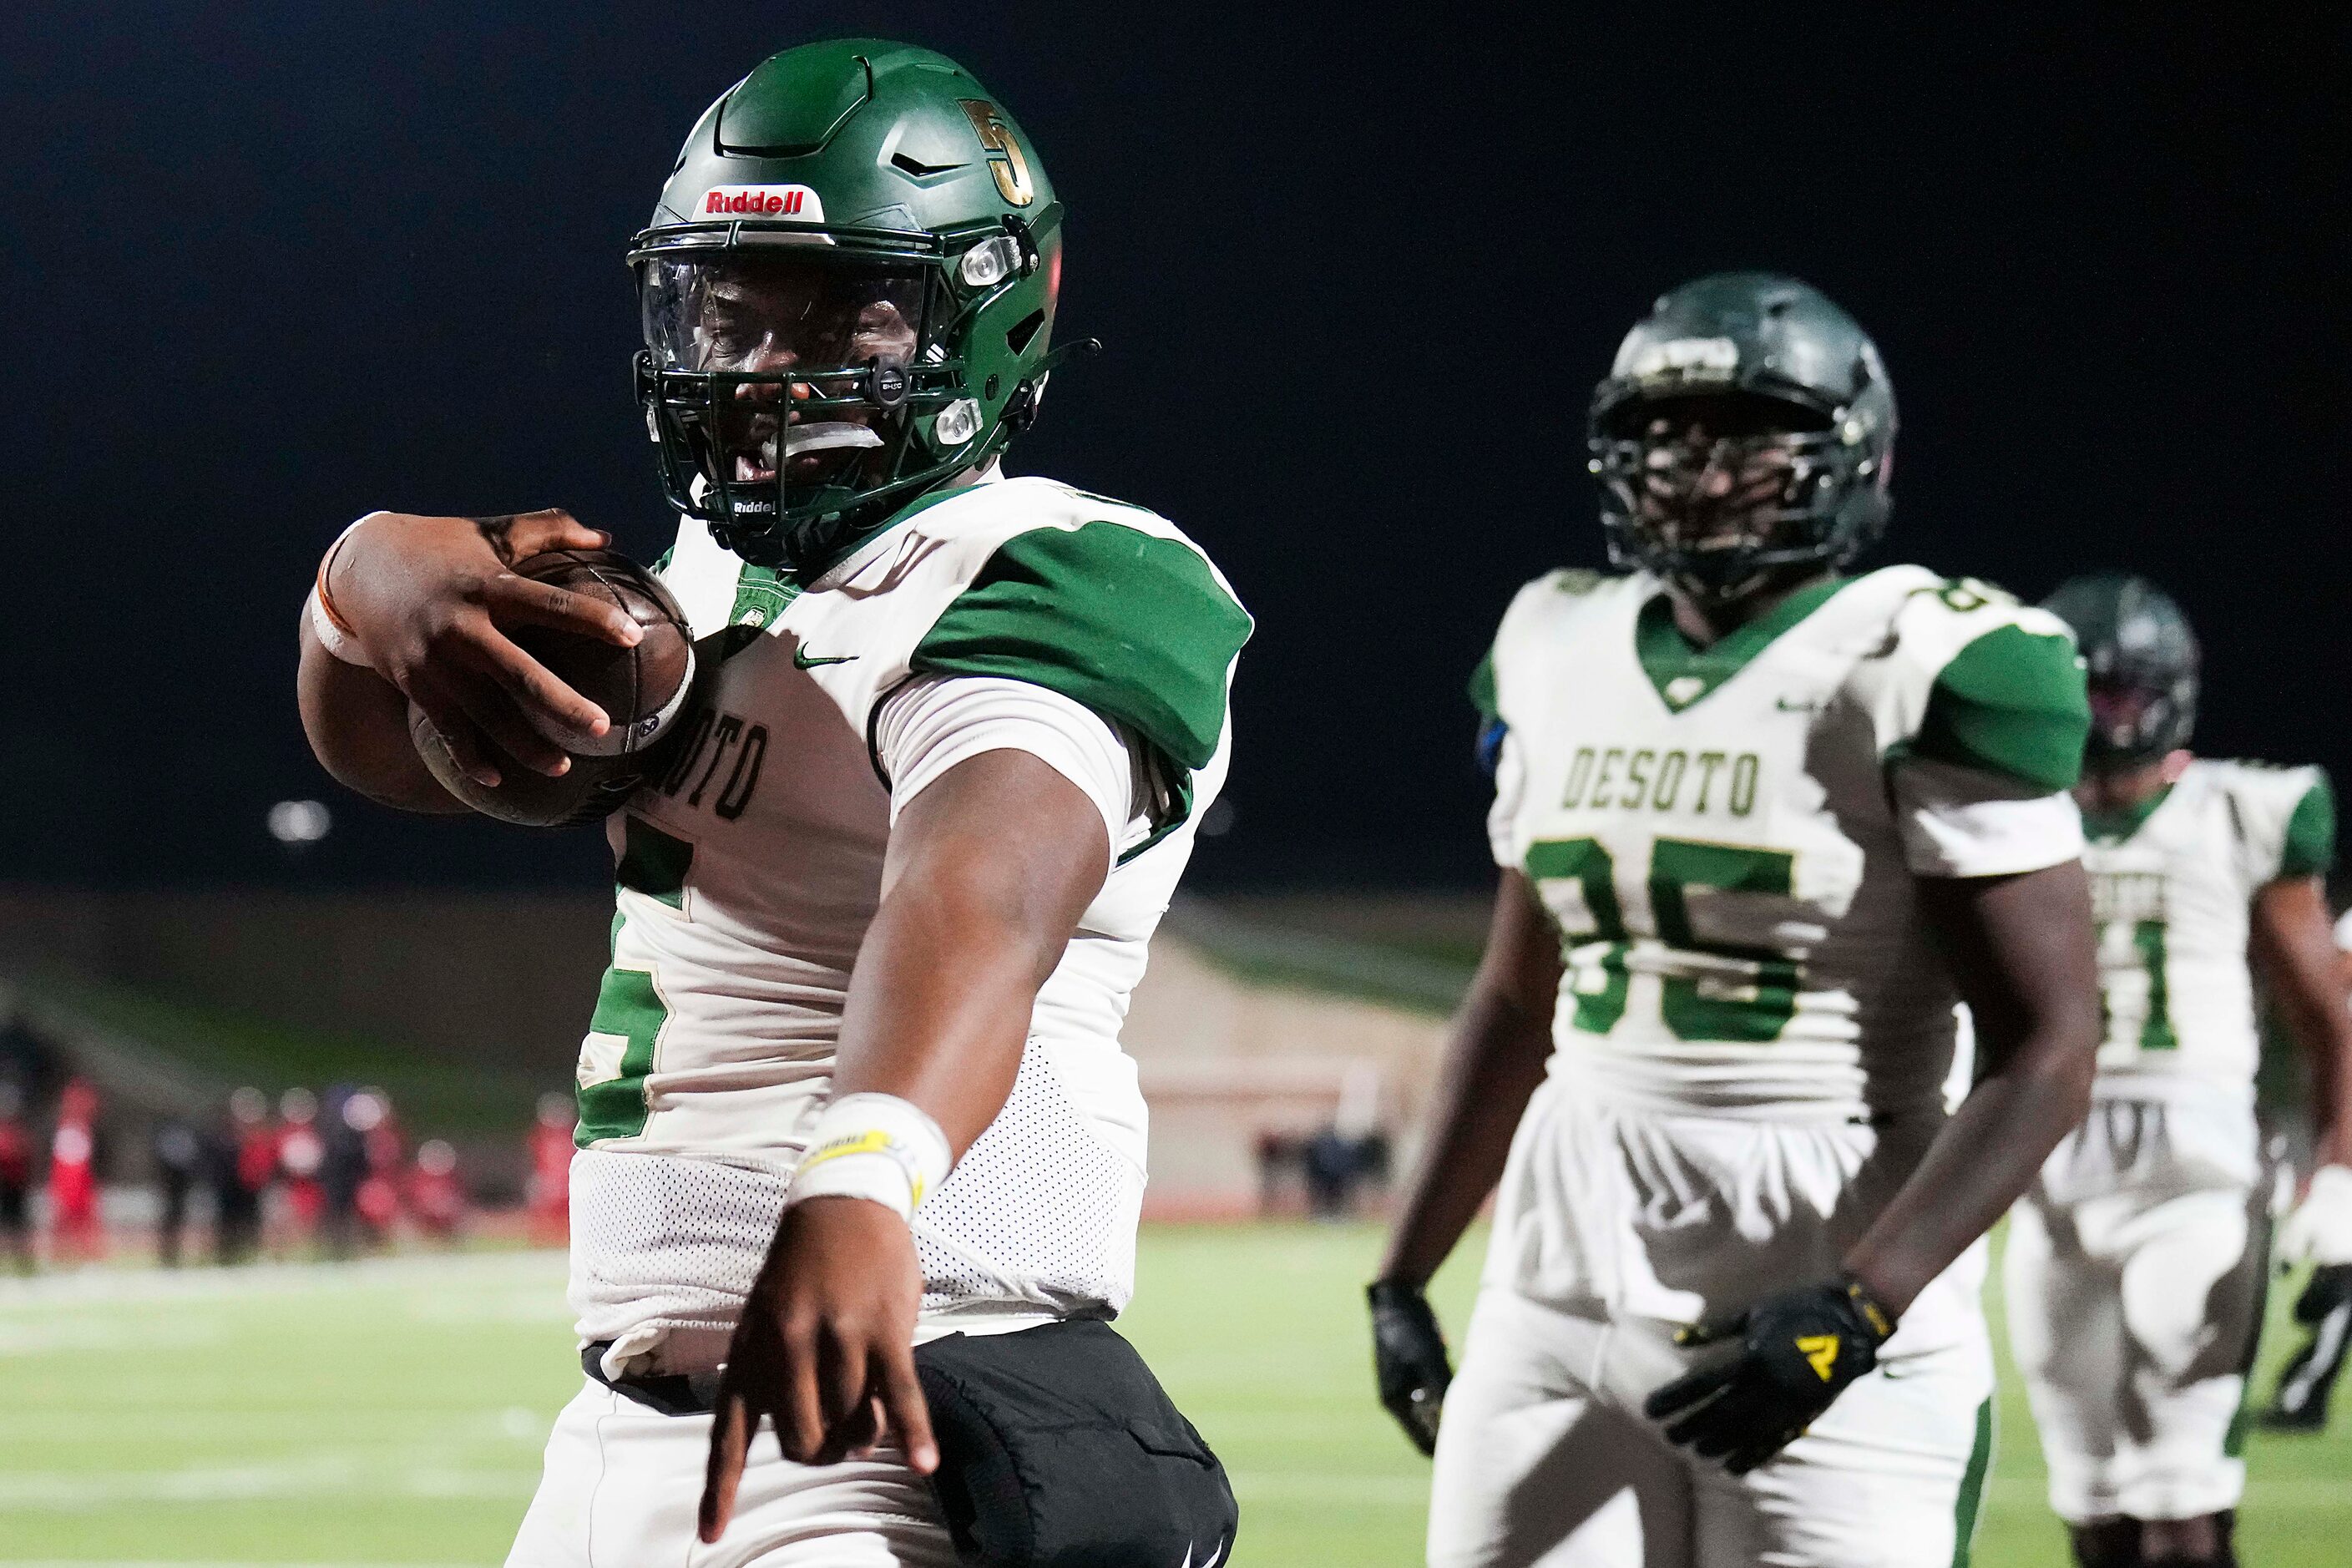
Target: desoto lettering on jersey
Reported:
[(1718, 834), (1637, 778)]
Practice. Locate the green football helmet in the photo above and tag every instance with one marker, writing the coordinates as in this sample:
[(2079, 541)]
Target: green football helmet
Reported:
[(2142, 662), (1747, 426), (847, 294)]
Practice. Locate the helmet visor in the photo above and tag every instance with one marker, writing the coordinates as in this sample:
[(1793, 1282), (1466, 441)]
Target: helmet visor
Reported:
[(797, 341)]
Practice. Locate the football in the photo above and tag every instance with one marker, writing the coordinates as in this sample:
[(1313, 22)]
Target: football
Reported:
[(644, 689)]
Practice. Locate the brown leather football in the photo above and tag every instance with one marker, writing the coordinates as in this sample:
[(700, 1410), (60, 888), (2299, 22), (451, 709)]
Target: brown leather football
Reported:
[(643, 689)]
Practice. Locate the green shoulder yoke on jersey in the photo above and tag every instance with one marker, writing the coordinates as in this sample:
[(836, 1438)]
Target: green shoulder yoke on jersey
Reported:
[(1134, 625), (2011, 702), (2310, 849)]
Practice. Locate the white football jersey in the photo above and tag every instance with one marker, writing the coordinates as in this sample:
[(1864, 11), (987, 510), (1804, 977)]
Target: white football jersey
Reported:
[(1728, 837), (2172, 886), (749, 869)]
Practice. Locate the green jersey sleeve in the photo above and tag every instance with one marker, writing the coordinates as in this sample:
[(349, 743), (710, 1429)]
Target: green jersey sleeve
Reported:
[(2310, 850), (1482, 689), (1135, 625), (2012, 702)]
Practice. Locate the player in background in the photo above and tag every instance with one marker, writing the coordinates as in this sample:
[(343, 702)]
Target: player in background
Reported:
[(302, 1151), (77, 1230), (2299, 1404), (853, 1080), (179, 1156), (547, 1197), (2136, 1261), (1759, 824), (244, 1165), (435, 1193), (16, 1179)]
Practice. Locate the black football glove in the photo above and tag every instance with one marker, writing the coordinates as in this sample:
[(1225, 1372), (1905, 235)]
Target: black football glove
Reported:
[(1409, 1358), (1797, 1353), (2326, 1309)]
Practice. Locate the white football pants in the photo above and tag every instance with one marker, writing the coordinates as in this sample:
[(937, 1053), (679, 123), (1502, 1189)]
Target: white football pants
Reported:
[(622, 1484), (2135, 1282), (1545, 1460)]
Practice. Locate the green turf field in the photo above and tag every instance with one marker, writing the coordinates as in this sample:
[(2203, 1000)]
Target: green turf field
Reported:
[(392, 1413)]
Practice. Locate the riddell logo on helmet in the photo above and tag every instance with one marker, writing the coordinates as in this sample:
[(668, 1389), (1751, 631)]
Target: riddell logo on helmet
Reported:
[(795, 202)]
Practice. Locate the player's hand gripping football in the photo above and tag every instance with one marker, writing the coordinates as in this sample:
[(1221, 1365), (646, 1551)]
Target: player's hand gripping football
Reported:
[(427, 597), (1797, 1353), (1409, 1358), (825, 1349)]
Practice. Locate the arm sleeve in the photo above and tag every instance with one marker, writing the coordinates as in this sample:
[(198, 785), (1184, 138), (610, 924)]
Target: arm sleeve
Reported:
[(1502, 817), (2310, 847), (933, 723), (1489, 746), (2011, 702), (1964, 822)]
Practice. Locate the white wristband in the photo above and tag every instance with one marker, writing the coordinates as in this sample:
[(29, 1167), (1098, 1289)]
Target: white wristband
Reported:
[(872, 1146), (332, 637)]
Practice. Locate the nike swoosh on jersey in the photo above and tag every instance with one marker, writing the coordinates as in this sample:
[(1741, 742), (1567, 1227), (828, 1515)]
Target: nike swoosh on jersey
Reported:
[(802, 660)]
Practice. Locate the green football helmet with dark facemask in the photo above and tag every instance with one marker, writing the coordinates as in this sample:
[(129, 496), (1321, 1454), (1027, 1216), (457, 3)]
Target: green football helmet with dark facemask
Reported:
[(2142, 661), (1746, 428), (848, 293)]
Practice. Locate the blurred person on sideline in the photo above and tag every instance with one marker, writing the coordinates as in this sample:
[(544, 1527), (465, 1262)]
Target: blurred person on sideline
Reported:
[(548, 1195), (300, 1151), (178, 1166), (345, 1121), (16, 1179), (241, 1163), (76, 1234), (437, 1195), (376, 1203)]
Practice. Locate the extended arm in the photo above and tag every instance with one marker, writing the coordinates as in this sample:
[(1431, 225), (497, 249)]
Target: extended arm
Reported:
[(1495, 1057), (2295, 952), (1501, 1039), (2020, 948), (988, 871), (426, 599)]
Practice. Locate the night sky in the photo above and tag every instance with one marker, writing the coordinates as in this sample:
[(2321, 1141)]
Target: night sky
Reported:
[(272, 265)]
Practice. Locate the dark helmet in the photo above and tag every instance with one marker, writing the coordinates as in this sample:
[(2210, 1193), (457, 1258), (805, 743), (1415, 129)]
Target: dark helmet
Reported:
[(847, 292), (1774, 374), (2142, 662)]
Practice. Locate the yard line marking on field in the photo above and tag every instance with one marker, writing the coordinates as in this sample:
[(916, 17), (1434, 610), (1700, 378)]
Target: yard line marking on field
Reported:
[(1329, 1486), (72, 1490), (125, 1285)]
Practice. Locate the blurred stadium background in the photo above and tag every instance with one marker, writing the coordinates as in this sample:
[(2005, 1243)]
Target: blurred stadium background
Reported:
[(389, 1409)]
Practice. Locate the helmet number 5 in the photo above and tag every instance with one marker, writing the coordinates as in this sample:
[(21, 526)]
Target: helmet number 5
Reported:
[(1005, 159)]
